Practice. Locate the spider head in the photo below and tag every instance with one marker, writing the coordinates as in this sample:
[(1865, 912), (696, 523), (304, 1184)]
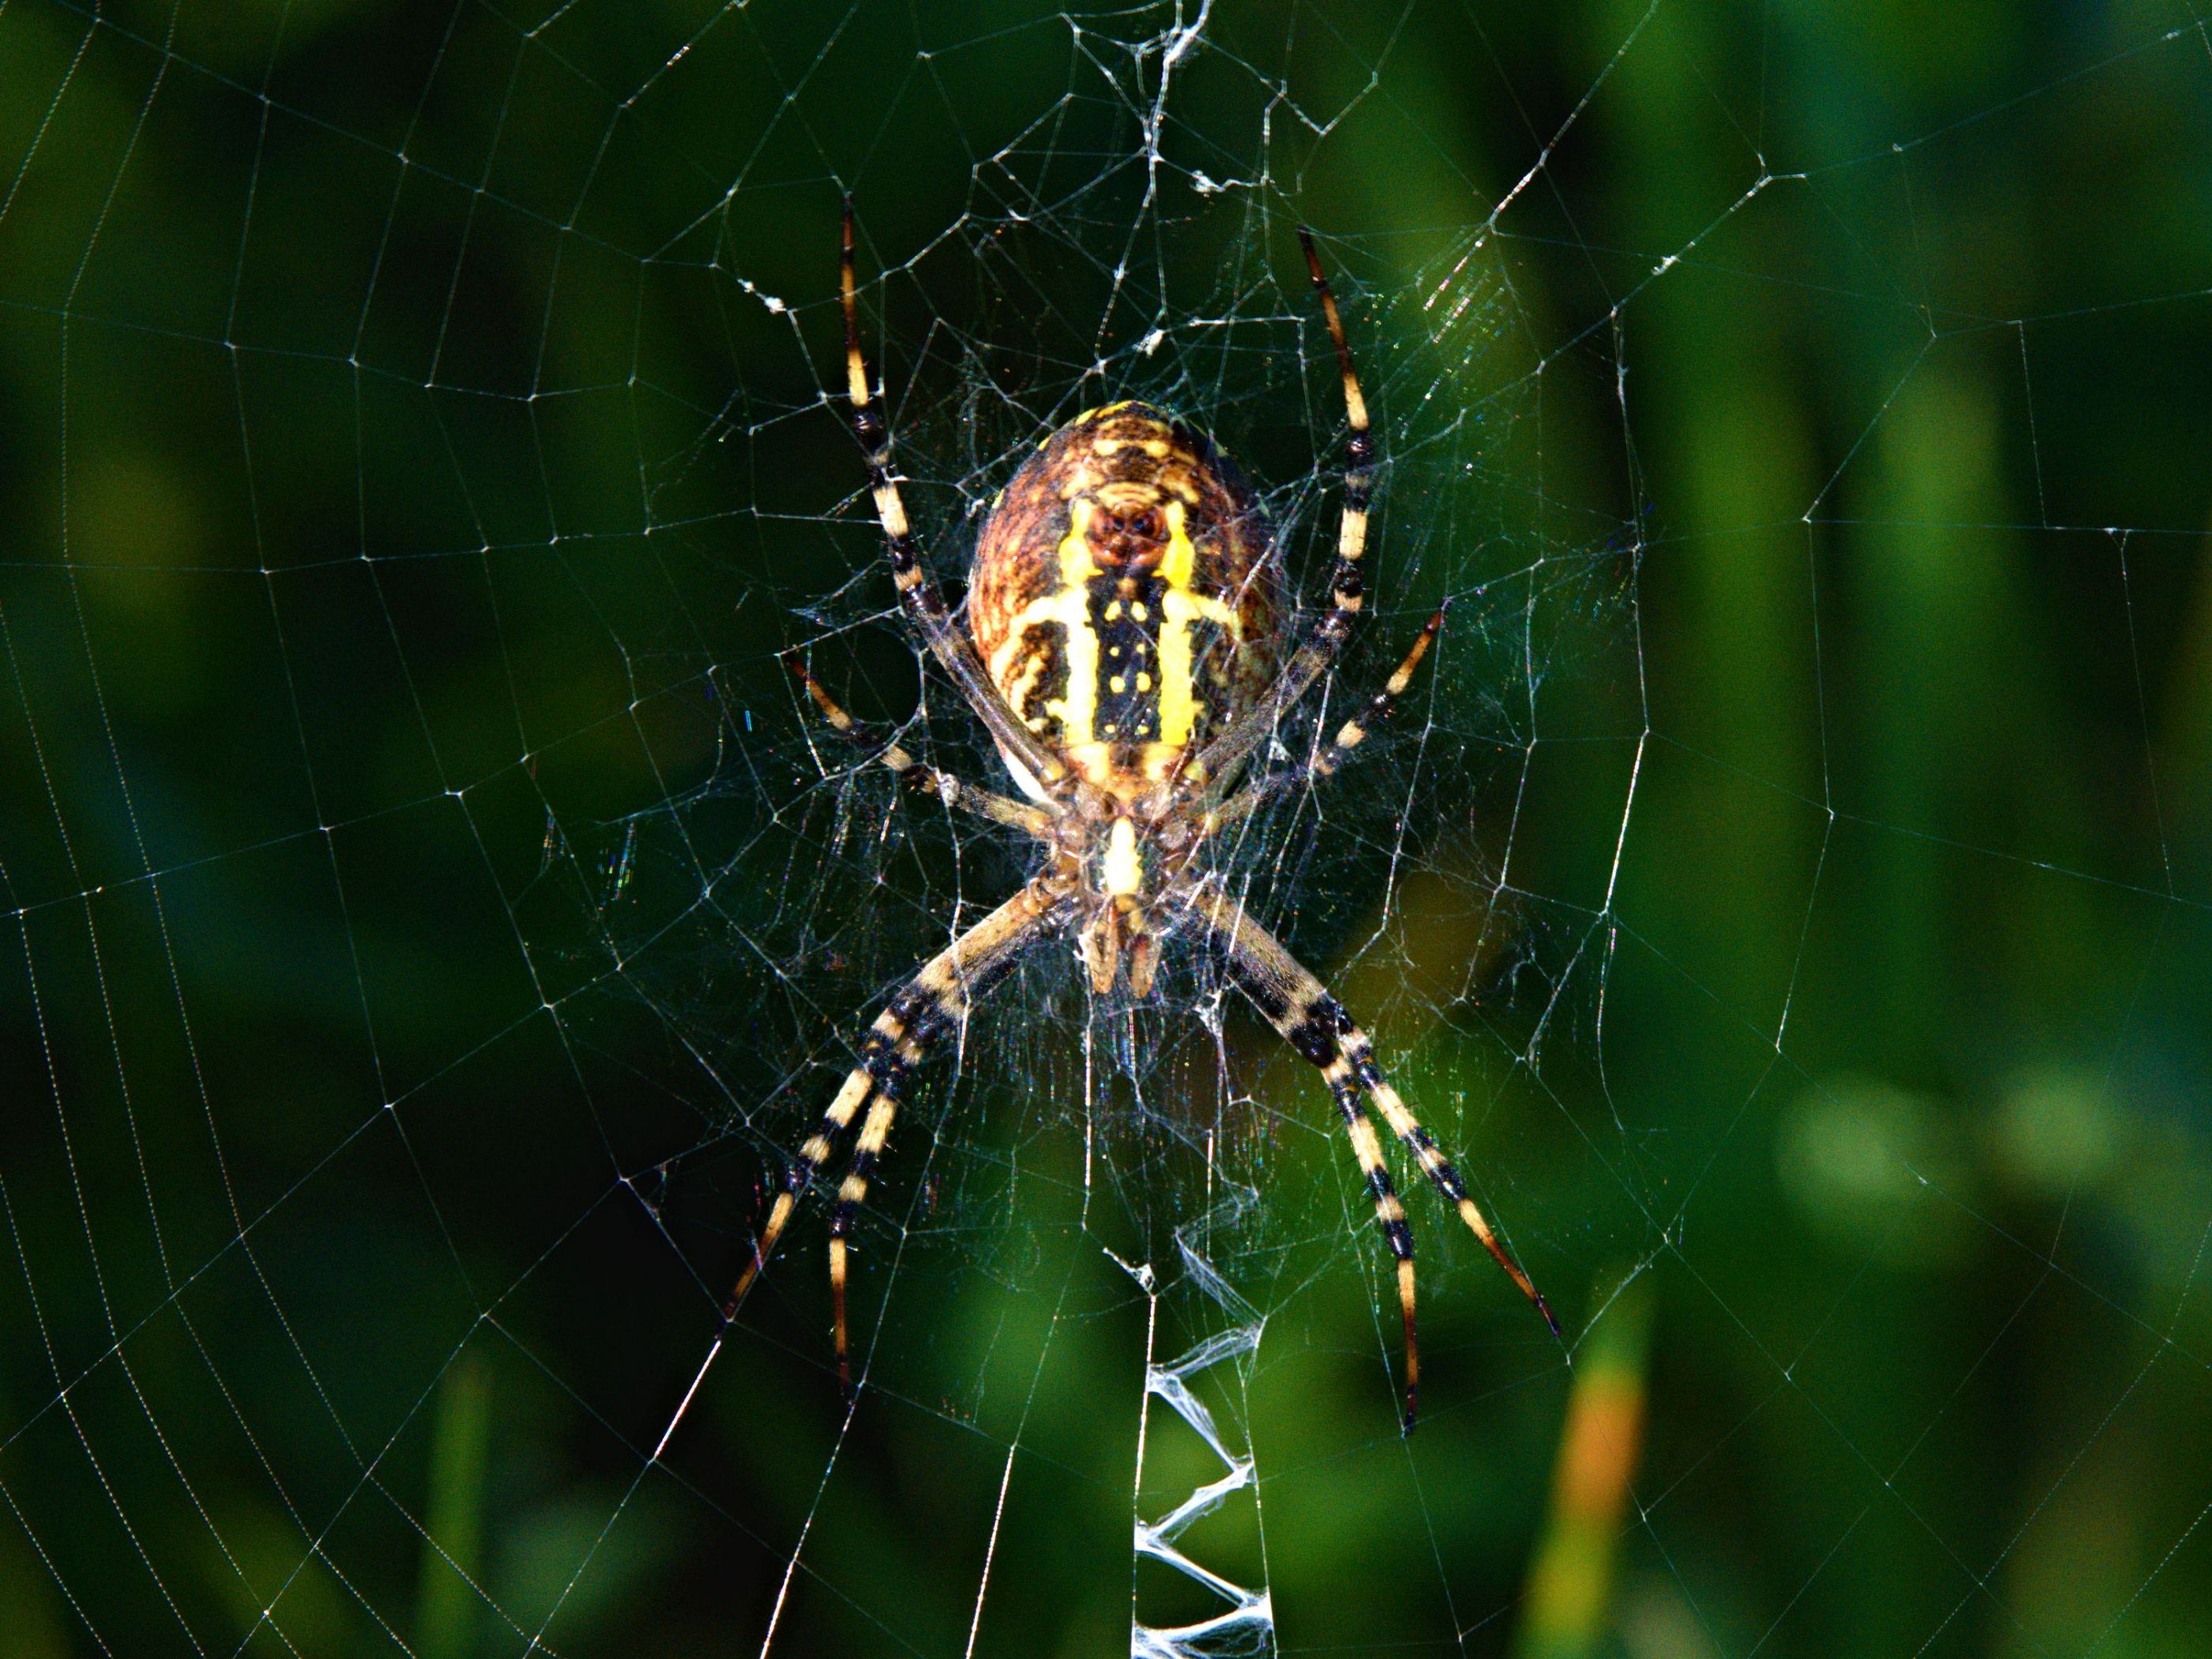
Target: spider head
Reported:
[(1123, 870)]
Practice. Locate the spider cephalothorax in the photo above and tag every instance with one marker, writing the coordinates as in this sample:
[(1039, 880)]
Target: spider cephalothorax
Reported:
[(1125, 650)]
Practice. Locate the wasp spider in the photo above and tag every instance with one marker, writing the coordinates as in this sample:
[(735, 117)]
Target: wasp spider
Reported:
[(1125, 617)]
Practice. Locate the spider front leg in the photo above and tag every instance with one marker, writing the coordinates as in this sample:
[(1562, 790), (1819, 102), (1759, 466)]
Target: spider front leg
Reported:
[(932, 1002), (1299, 1007), (852, 1192)]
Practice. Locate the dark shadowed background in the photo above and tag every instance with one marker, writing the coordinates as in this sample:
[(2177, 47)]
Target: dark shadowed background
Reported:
[(431, 919)]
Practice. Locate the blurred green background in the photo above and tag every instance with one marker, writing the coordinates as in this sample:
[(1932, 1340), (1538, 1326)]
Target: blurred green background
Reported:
[(426, 922)]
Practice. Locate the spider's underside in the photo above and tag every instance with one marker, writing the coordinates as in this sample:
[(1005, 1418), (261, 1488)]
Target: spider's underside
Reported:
[(1124, 611)]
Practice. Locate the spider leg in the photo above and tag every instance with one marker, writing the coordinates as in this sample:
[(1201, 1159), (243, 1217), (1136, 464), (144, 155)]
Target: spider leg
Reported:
[(923, 605), (921, 777), (880, 1054), (1299, 1007), (1390, 1215), (851, 1193), (935, 998), (1349, 736), (876, 1054), (1347, 584), (941, 994)]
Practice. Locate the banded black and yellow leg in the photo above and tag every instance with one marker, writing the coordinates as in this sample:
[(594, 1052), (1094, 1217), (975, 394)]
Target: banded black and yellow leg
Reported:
[(933, 998), (945, 988), (1389, 1214), (1317, 1025), (1347, 589), (1417, 1140), (879, 1055), (919, 776), (919, 596), (875, 1130), (1349, 736), (1347, 581)]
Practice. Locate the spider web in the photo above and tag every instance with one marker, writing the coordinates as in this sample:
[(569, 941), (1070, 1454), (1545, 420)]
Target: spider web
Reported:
[(435, 917)]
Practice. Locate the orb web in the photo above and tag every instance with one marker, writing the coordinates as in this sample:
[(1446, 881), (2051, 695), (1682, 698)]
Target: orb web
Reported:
[(436, 916)]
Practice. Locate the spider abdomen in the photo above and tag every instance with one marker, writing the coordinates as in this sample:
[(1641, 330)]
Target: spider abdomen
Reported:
[(1125, 596)]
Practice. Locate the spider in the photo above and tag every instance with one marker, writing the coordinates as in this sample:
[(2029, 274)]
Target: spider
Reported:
[(1125, 612)]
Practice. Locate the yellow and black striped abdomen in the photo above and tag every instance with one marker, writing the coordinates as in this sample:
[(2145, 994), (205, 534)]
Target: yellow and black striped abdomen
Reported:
[(1126, 595)]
